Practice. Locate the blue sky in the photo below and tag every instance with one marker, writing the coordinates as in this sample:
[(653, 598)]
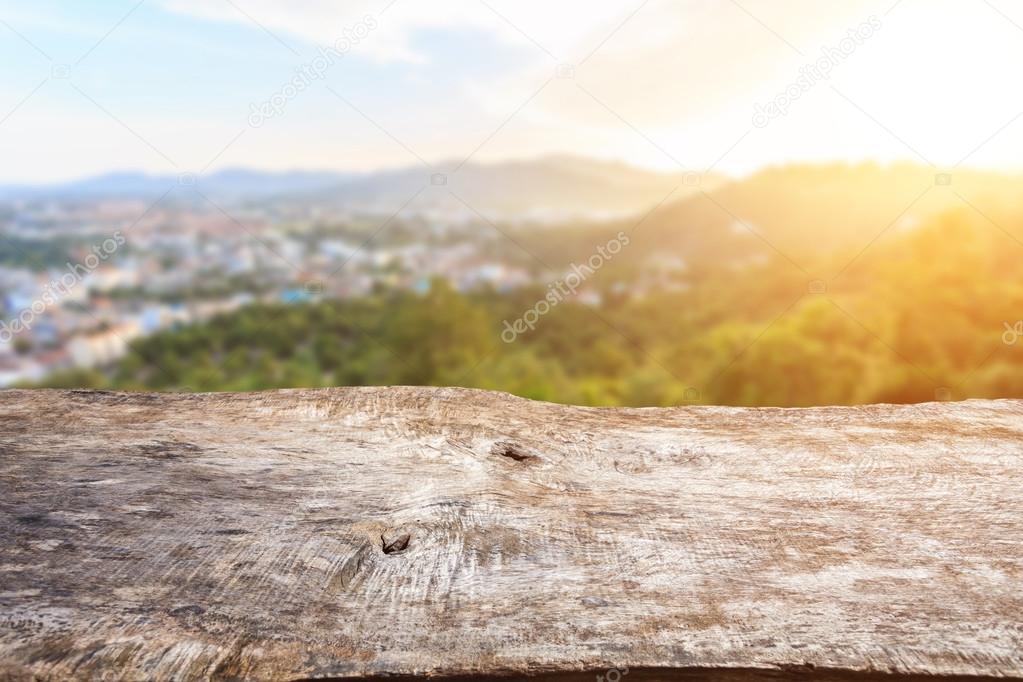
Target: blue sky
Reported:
[(664, 83), (185, 84)]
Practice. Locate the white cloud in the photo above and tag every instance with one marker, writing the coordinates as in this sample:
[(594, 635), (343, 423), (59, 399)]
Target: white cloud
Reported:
[(562, 27)]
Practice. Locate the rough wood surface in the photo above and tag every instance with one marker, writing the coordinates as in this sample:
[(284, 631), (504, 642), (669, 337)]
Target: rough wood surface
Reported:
[(364, 532)]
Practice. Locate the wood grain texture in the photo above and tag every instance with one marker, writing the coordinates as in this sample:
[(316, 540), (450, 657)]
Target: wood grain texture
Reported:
[(446, 532)]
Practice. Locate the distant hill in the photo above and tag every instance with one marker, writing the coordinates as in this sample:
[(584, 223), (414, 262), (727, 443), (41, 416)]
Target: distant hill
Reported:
[(805, 210), (560, 186), (546, 188), (813, 214)]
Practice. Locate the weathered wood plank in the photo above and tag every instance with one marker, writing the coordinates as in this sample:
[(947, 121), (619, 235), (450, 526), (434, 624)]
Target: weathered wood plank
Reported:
[(362, 532)]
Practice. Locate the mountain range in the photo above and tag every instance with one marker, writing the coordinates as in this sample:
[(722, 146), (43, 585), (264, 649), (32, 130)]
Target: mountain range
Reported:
[(557, 185), (794, 210)]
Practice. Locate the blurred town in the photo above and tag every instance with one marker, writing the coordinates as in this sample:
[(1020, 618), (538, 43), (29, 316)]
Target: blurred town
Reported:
[(186, 263)]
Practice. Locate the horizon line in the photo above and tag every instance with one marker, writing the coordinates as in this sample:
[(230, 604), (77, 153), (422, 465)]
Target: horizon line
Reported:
[(538, 159)]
